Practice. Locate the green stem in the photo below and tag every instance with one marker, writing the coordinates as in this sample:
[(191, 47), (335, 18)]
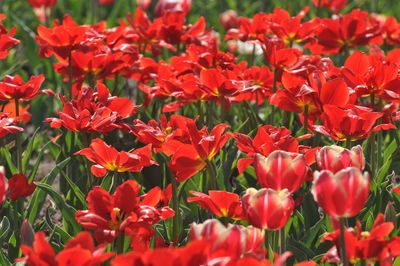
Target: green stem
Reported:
[(222, 100), (175, 207), (69, 89), (119, 243), (212, 185), (200, 112), (271, 116), (285, 118), (14, 251), (318, 8), (257, 106), (282, 241), (348, 143), (379, 138), (116, 182), (115, 88), (305, 128), (18, 141), (252, 56), (343, 251)]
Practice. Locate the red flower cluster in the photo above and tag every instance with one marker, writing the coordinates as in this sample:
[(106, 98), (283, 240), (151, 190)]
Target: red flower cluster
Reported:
[(80, 250), (363, 245), (7, 39), (93, 112), (124, 212)]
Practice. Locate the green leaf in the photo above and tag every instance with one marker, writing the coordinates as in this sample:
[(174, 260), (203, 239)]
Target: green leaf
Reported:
[(67, 211), (39, 196), (78, 193), (28, 151), (37, 163), (7, 155), (300, 251), (56, 229), (312, 234), (389, 150), (107, 182), (4, 260), (5, 231), (382, 172)]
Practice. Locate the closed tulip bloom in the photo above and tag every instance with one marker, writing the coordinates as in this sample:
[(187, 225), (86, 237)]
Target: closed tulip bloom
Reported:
[(342, 194), (335, 158), (267, 208), (281, 171), (238, 241)]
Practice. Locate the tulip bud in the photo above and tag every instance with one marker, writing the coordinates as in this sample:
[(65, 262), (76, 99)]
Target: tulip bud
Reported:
[(267, 208), (342, 194), (27, 234), (335, 158), (390, 214), (164, 6), (280, 171), (229, 19)]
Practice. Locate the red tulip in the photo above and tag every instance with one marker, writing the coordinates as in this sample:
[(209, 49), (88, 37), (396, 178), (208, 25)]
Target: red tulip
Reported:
[(229, 19), (375, 245), (164, 6), (105, 2), (14, 88), (189, 159), (19, 187), (250, 29), (79, 250), (6, 38), (291, 29), (281, 171), (367, 76), (143, 4), (268, 139), (42, 3), (220, 203), (350, 123), (122, 212), (61, 39), (159, 133), (346, 31), (267, 208), (335, 158), (24, 115), (108, 158), (342, 194), (7, 127), (333, 5), (94, 111), (236, 241)]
